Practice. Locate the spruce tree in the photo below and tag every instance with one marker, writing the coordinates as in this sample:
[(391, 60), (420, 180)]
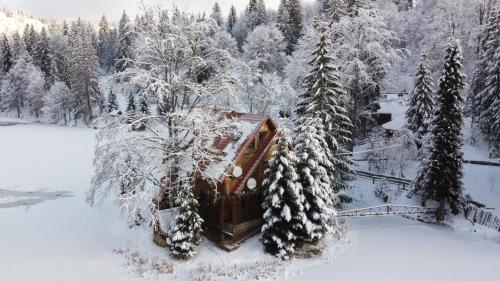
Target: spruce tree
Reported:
[(421, 104), (6, 55), (441, 177), (186, 234), (295, 25), (18, 48), (103, 41), (41, 54), (489, 97), (217, 15), (256, 14), (282, 18), (325, 96), (231, 20), (144, 104), (334, 10), (112, 105), (312, 167), (478, 81), (284, 213), (29, 37), (59, 59), (83, 69), (131, 107), (125, 48)]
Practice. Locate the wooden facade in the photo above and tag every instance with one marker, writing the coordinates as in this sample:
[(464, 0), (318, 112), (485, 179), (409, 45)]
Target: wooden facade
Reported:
[(231, 207)]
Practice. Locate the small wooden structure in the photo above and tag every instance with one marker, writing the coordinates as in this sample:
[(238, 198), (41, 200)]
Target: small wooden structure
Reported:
[(230, 191)]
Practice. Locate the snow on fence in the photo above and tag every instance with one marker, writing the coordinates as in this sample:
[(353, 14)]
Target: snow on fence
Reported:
[(386, 210), (377, 177), (482, 217)]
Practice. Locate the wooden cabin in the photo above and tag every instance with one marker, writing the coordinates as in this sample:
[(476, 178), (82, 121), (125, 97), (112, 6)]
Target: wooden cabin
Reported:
[(230, 191)]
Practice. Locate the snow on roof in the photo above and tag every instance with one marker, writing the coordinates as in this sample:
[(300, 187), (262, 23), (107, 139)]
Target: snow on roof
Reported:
[(230, 146), (397, 108)]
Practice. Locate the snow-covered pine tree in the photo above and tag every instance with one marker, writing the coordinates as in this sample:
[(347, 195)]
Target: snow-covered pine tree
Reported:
[(41, 55), (312, 167), (421, 106), (282, 18), (102, 41), (6, 55), (83, 66), (489, 97), (59, 46), (353, 7), (144, 104), (112, 104), (478, 81), (231, 19), (131, 107), (292, 24), (18, 47), (217, 15), (284, 213), (256, 14), (334, 10), (186, 233), (325, 97), (125, 47), (442, 175), (29, 37)]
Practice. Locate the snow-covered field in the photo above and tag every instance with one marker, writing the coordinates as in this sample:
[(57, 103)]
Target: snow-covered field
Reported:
[(49, 233)]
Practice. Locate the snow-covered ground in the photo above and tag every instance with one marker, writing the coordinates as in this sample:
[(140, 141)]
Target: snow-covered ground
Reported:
[(49, 233)]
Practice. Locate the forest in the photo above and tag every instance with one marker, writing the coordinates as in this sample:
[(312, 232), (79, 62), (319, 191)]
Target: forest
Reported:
[(153, 87)]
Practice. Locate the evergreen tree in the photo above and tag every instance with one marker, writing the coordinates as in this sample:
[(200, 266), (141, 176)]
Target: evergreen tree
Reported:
[(103, 41), (284, 214), (186, 234), (29, 36), (125, 48), (217, 15), (489, 96), (6, 55), (312, 167), (18, 47), (112, 105), (325, 97), (144, 105), (231, 20), (441, 177), (65, 28), (256, 14), (421, 104), (131, 107), (41, 54), (83, 66), (294, 32), (60, 68), (282, 18), (334, 10), (479, 77)]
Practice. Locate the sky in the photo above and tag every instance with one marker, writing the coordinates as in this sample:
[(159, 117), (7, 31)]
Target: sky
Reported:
[(93, 9)]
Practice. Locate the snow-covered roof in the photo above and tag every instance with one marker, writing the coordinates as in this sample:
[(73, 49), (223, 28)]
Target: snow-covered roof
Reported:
[(233, 144), (396, 106)]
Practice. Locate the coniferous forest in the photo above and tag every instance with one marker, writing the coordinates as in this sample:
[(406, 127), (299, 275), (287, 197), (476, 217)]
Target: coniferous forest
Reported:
[(294, 127)]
